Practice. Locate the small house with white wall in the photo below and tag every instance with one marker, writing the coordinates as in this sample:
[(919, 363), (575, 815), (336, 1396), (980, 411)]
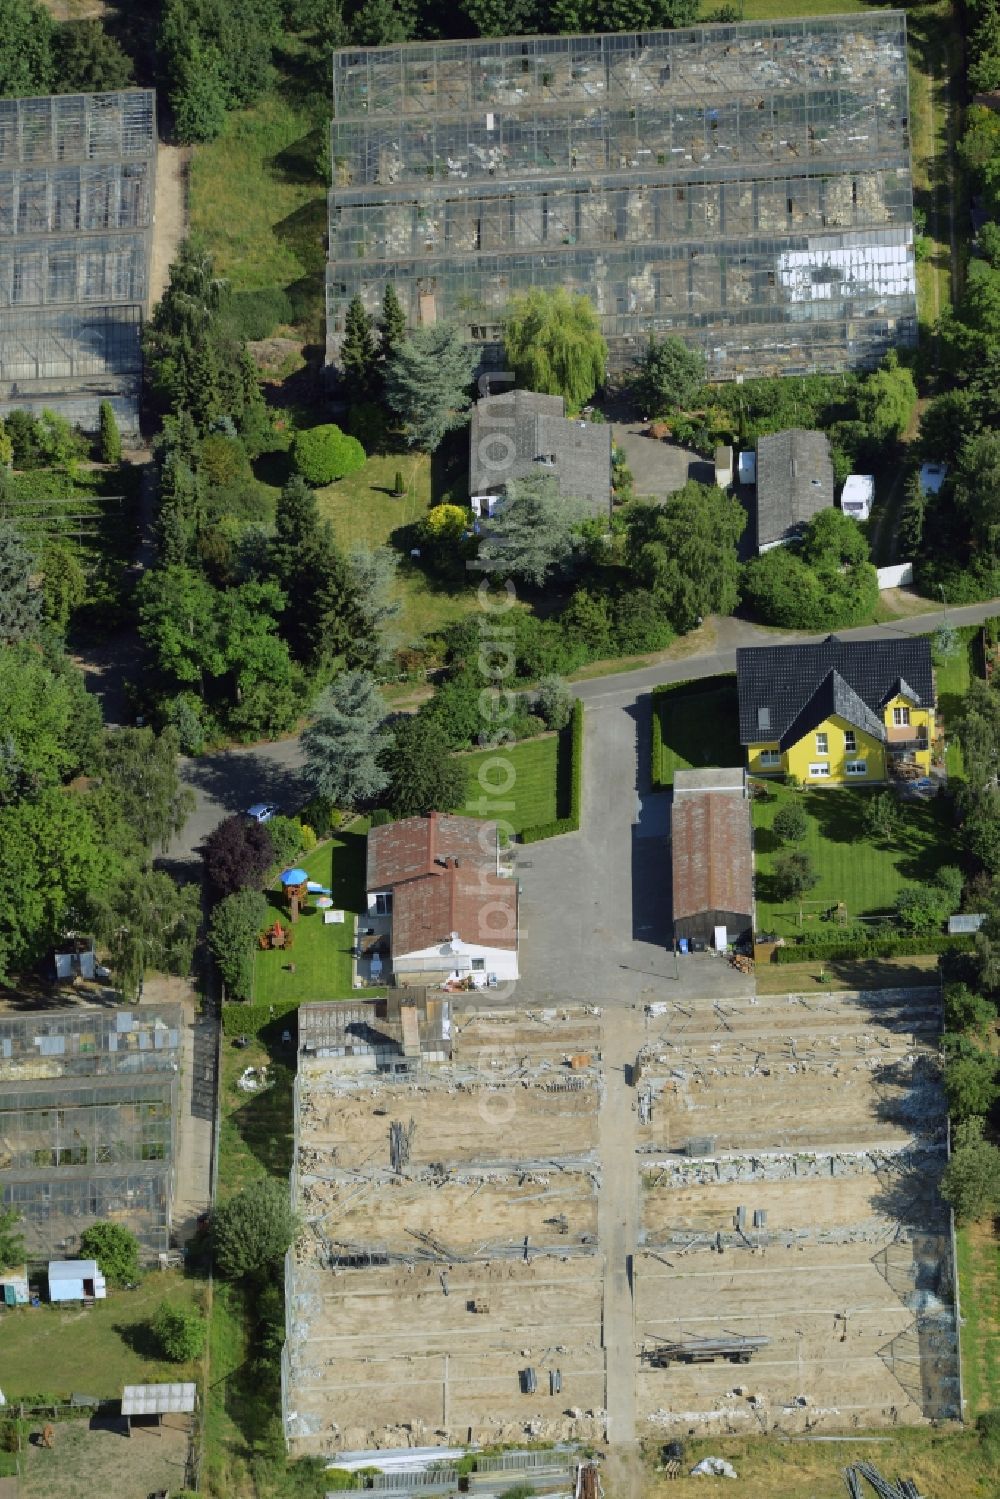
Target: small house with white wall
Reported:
[(858, 496), (448, 910), (76, 1280), (14, 1286)]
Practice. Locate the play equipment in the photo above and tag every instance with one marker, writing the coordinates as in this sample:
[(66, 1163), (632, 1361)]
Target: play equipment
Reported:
[(295, 883), (315, 888), (274, 936)]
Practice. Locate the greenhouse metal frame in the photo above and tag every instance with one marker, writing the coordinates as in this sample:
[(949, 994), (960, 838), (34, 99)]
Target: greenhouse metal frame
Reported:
[(746, 187), (77, 184), (88, 1120)]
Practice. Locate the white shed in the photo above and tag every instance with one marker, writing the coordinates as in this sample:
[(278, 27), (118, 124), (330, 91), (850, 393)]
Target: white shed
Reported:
[(858, 496), (76, 1280), (14, 1286), (723, 466)]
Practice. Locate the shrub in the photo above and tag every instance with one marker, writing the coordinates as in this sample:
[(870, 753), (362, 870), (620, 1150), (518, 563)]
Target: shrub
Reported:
[(791, 823), (793, 874), (834, 949), (180, 1332), (232, 934), (555, 703), (965, 1010), (252, 1230), (238, 854), (110, 437), (324, 454), (223, 460), (115, 1249), (255, 314)]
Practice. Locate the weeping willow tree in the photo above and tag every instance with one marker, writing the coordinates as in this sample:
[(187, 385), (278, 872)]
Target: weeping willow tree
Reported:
[(554, 345)]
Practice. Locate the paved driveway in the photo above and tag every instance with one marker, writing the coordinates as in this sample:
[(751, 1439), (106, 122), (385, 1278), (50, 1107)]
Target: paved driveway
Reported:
[(231, 781), (595, 905)]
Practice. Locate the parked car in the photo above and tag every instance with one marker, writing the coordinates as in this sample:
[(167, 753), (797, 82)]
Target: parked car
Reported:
[(261, 811)]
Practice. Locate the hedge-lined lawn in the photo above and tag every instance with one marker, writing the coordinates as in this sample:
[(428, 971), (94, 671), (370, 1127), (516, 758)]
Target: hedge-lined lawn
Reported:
[(535, 791), (979, 1284), (953, 678), (321, 954), (699, 726), (866, 876)]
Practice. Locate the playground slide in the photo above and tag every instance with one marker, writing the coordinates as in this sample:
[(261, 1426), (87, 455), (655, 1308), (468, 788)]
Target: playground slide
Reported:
[(315, 888)]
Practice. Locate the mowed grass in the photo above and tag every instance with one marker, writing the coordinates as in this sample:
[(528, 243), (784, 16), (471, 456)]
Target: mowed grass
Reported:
[(363, 508), (55, 1351), (784, 10), (532, 797), (953, 678), (321, 954), (699, 726), (867, 876), (979, 1288)]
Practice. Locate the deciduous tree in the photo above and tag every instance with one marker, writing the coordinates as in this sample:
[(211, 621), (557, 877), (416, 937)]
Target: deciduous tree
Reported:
[(971, 1079), (140, 772), (553, 343), (232, 936), (253, 1230), (26, 65), (116, 1250), (238, 854), (684, 552), (423, 774), (88, 60), (181, 1332), (971, 1179), (793, 874), (790, 822), (670, 375), (886, 399), (345, 741), (11, 1242)]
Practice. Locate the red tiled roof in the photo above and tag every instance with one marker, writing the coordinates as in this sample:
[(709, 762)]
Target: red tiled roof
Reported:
[(442, 872)]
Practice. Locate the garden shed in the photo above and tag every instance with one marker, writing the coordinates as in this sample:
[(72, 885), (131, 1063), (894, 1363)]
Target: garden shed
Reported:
[(76, 1280)]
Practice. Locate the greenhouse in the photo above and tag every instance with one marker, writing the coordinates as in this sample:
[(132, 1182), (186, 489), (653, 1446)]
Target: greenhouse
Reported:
[(77, 175), (88, 1109), (746, 187)]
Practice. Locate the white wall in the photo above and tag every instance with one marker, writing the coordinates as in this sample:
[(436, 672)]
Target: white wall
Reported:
[(895, 577), (499, 960)]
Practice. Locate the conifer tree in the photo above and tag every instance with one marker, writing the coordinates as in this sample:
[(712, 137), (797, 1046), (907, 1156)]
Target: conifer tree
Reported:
[(392, 323), (359, 350)]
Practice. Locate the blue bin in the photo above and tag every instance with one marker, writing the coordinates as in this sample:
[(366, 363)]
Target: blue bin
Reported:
[(683, 944)]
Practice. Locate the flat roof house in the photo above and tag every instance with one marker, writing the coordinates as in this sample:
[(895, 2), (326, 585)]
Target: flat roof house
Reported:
[(711, 856), (794, 483), (437, 893), (521, 434), (837, 710)]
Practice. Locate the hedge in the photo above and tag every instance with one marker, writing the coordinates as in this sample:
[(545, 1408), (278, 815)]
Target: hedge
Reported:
[(249, 1020), (886, 947), (656, 749), (571, 822)]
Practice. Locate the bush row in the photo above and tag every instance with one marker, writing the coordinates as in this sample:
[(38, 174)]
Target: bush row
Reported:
[(571, 822), (239, 1019), (883, 947)]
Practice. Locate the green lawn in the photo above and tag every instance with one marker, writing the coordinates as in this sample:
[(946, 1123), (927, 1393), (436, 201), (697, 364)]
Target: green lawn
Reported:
[(535, 792), (979, 1287), (321, 954), (866, 876), (953, 678), (56, 1351), (699, 726)]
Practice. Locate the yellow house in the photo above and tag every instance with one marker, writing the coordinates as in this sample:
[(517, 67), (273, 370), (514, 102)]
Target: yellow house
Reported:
[(837, 710)]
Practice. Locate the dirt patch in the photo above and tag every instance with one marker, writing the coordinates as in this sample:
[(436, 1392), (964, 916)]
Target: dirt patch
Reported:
[(277, 356), (116, 1466), (76, 10), (170, 215)]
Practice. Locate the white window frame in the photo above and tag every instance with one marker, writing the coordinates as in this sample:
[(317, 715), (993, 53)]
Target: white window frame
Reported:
[(820, 772), (479, 965), (383, 903), (856, 767), (850, 742), (770, 757), (822, 744), (900, 718)]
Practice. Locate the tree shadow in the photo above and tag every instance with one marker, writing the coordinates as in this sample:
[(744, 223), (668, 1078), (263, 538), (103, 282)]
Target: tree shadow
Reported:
[(264, 1122), (140, 1339), (236, 781), (304, 233), (298, 162), (274, 468)]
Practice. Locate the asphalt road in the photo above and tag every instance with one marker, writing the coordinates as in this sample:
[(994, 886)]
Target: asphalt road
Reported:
[(231, 780)]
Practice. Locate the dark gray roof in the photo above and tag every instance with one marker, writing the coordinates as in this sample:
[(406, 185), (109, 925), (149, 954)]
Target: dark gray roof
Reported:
[(794, 483), (520, 434), (794, 687)]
